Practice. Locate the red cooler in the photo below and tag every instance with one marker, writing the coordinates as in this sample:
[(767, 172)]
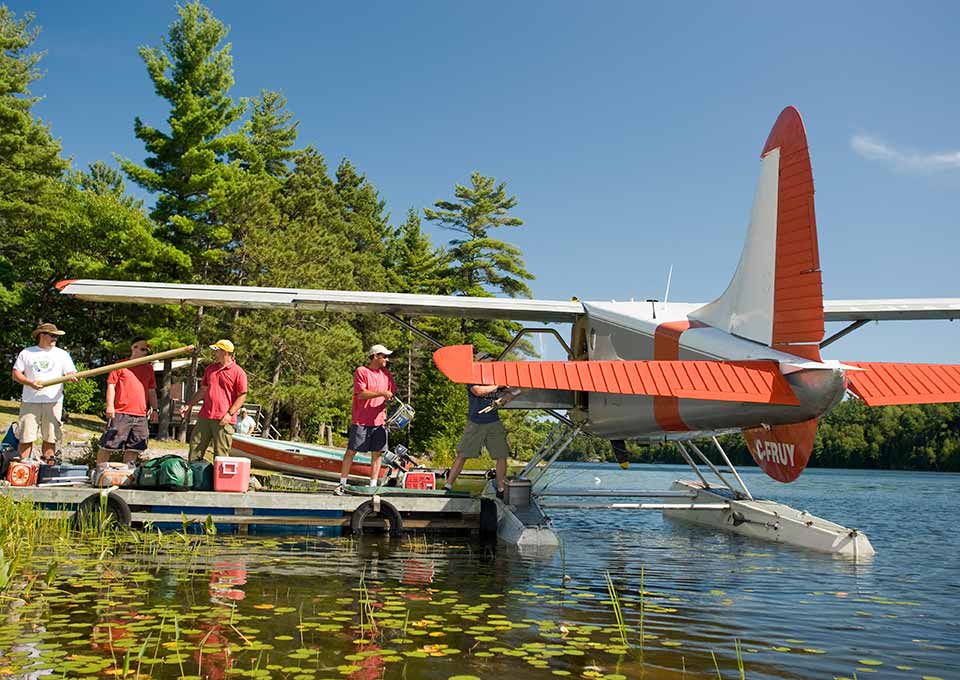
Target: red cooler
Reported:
[(231, 474), (23, 472)]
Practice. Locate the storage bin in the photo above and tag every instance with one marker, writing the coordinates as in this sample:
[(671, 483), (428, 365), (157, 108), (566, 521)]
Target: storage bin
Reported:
[(231, 473), (58, 474), (23, 472)]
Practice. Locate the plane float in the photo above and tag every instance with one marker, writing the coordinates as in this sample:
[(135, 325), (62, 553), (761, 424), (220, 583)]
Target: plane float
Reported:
[(749, 362)]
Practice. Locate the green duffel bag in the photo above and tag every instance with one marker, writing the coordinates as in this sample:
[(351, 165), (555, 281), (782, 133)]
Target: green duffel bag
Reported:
[(202, 475), (171, 473)]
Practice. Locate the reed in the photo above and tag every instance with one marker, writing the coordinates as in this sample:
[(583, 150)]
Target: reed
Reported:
[(617, 610)]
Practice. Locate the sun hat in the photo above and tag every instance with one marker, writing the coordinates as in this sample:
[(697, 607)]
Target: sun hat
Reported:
[(47, 328)]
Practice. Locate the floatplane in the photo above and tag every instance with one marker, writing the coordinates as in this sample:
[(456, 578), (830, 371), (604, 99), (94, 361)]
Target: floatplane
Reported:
[(749, 362)]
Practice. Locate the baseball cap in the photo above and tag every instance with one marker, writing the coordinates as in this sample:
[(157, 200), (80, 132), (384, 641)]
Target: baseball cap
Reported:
[(379, 349), (225, 345)]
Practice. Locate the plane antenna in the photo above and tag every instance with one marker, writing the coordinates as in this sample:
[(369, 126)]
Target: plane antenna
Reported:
[(666, 295)]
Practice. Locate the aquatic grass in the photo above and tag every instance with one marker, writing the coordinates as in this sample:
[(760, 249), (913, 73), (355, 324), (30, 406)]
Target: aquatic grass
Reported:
[(617, 610), (643, 595)]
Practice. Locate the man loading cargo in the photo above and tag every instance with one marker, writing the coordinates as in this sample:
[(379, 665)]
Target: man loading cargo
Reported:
[(223, 391), (129, 391), (373, 388), (483, 429), (41, 408)]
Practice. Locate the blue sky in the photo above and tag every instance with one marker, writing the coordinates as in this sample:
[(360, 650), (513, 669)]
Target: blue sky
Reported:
[(629, 132)]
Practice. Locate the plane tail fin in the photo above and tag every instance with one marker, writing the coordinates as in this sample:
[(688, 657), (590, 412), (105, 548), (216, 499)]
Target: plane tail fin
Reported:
[(776, 295)]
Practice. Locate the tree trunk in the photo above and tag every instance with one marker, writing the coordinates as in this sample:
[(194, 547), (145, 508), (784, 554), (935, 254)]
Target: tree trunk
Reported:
[(166, 406), (294, 425), (274, 380), (190, 387)]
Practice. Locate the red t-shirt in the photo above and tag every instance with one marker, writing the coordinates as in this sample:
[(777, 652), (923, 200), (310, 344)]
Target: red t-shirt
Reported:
[(132, 384), (224, 385), (371, 411)]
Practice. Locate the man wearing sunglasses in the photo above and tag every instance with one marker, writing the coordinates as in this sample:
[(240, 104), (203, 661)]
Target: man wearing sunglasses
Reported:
[(41, 408), (129, 391)]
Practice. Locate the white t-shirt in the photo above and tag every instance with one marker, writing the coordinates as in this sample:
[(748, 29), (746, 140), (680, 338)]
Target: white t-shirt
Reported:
[(246, 425), (43, 364)]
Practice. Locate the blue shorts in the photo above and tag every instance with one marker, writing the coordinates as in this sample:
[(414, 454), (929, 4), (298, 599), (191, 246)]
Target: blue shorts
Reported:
[(367, 438)]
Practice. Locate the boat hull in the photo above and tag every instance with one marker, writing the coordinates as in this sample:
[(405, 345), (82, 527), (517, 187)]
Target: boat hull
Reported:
[(300, 459)]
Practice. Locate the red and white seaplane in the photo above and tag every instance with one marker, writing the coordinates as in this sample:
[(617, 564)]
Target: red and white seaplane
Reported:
[(749, 361)]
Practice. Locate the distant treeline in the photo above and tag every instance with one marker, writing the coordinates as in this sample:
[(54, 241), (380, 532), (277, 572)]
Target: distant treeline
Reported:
[(853, 435)]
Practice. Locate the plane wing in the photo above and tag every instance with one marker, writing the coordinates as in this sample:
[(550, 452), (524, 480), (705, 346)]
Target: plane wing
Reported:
[(409, 304), (250, 297), (891, 310)]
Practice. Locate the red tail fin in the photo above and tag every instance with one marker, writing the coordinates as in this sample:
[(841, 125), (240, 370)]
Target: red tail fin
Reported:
[(776, 296)]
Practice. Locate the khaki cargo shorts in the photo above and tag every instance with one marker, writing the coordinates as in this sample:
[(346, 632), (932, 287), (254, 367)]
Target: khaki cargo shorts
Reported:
[(42, 421), (477, 435)]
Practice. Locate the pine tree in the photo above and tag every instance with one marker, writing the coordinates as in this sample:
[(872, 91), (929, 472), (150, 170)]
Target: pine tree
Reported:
[(187, 165), (481, 265), (271, 134)]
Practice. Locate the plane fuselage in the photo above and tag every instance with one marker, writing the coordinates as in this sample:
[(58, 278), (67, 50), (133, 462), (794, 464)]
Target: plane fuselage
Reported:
[(657, 331)]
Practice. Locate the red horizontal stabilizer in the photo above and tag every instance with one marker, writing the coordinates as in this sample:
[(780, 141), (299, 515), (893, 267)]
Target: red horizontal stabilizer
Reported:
[(883, 384), (745, 381), (782, 451)]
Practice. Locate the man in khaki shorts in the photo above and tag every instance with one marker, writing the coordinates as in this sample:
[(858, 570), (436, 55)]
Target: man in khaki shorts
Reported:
[(41, 408), (483, 429), (223, 391)]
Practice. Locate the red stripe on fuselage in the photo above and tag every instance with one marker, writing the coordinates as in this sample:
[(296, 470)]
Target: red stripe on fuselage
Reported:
[(666, 347)]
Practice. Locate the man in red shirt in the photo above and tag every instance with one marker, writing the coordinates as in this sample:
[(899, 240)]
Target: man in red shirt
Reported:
[(129, 390), (223, 391), (373, 388)]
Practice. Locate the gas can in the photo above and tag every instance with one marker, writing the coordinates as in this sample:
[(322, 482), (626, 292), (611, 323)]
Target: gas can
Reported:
[(419, 479), (23, 473)]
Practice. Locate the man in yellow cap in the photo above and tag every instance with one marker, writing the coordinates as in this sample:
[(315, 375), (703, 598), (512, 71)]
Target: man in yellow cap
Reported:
[(223, 391), (41, 408)]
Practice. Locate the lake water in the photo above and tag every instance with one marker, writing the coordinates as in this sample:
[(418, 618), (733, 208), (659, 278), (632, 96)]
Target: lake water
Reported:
[(307, 608)]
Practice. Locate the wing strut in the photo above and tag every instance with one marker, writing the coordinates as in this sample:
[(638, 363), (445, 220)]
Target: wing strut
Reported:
[(846, 331)]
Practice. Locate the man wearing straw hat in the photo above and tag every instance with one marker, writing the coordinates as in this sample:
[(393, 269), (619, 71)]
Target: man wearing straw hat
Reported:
[(223, 391), (41, 408)]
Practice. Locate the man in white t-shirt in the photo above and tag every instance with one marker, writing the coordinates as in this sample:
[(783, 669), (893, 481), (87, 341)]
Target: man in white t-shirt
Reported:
[(41, 408)]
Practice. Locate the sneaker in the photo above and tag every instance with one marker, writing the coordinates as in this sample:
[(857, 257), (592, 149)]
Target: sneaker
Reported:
[(339, 490)]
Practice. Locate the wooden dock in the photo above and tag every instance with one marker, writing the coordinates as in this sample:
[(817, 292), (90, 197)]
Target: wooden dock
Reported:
[(246, 511)]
